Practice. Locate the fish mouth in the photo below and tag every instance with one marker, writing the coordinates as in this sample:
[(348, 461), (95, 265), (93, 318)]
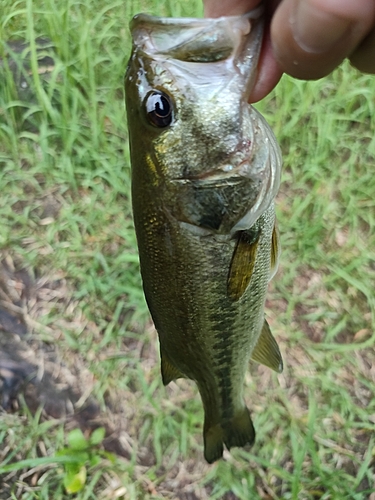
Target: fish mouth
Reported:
[(224, 172), (194, 39)]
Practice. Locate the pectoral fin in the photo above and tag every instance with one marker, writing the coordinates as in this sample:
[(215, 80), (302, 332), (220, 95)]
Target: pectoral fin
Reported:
[(168, 371), (243, 262), (267, 351), (275, 250)]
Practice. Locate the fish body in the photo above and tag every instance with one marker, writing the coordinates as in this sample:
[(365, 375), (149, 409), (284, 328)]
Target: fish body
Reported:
[(205, 171)]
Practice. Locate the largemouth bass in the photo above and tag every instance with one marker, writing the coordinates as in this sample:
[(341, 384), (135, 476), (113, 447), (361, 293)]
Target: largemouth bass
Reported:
[(205, 172)]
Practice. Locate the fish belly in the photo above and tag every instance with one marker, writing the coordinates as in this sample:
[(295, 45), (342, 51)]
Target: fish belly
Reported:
[(204, 334)]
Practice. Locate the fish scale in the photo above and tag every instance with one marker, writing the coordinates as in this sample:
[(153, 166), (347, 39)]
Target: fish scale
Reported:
[(205, 171)]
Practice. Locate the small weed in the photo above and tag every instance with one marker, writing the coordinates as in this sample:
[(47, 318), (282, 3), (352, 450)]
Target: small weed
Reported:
[(86, 453)]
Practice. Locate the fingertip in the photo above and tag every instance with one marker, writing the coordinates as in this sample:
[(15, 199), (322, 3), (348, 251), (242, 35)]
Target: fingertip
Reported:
[(264, 85)]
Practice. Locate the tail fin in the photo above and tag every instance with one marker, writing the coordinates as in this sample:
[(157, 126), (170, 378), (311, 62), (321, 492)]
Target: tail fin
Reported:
[(213, 443), (237, 431)]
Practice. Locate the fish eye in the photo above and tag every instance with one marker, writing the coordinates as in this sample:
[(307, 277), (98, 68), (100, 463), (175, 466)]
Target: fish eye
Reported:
[(159, 108)]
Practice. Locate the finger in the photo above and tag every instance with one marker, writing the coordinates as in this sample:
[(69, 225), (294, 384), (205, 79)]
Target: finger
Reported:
[(217, 8), (364, 57), (269, 71), (311, 37)]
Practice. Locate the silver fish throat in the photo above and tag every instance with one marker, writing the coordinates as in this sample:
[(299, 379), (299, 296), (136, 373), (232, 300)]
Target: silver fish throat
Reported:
[(205, 171)]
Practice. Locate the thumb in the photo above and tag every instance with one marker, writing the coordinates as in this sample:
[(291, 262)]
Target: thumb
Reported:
[(217, 8), (311, 37)]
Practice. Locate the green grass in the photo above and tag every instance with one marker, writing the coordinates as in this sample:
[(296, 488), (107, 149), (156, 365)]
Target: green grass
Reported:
[(66, 216)]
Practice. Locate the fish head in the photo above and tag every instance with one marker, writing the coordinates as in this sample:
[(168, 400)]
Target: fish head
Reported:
[(212, 157)]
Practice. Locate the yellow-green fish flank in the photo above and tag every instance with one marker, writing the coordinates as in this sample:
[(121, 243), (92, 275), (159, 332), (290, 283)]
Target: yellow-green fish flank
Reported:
[(205, 172)]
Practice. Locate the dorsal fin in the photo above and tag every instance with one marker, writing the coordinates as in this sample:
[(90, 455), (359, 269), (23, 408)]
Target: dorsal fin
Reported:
[(243, 262), (267, 351)]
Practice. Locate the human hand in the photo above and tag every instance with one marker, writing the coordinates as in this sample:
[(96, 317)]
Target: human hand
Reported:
[(307, 38)]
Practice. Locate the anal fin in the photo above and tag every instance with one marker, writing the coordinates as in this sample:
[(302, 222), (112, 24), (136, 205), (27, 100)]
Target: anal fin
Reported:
[(267, 351), (168, 371)]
